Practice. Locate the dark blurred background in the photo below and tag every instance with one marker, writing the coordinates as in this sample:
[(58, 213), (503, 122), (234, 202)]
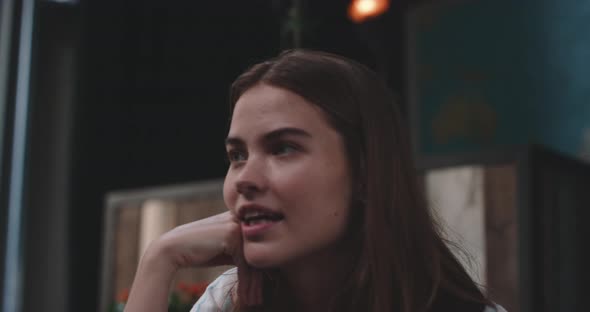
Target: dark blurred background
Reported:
[(128, 94)]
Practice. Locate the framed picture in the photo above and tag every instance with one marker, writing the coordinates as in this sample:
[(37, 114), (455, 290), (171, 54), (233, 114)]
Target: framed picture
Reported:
[(134, 218), (465, 90)]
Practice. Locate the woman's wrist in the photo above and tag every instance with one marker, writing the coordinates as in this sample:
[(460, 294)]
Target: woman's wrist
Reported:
[(151, 286), (158, 258)]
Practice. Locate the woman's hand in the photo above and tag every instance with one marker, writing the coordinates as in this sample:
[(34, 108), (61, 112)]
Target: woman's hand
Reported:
[(208, 242)]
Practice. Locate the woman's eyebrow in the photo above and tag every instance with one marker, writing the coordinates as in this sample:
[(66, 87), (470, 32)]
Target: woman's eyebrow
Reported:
[(271, 136), (234, 141), (278, 133)]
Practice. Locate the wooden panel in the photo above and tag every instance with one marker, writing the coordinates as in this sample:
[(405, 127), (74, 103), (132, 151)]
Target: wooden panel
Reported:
[(126, 253), (501, 235), (157, 217)]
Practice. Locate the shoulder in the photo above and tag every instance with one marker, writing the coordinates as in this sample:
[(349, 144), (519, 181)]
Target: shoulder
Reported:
[(217, 296)]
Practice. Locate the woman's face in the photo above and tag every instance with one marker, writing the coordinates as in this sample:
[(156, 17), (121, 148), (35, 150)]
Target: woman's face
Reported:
[(288, 181)]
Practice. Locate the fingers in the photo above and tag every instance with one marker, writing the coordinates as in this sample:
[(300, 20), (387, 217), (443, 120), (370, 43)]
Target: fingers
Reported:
[(215, 241), (207, 242), (218, 218)]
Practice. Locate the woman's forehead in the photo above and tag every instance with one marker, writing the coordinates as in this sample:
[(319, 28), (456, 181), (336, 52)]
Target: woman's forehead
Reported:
[(267, 104)]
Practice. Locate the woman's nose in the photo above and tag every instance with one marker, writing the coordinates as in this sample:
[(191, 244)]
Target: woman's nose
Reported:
[(251, 180), (247, 188)]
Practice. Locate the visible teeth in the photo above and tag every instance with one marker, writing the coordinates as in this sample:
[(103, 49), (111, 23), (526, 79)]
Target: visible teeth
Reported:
[(258, 221), (253, 214), (255, 217)]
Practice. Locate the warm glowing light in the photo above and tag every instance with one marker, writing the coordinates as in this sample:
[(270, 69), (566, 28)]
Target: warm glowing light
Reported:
[(361, 10), (366, 6)]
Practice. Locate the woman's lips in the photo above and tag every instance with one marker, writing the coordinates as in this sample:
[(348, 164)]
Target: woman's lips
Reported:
[(255, 229)]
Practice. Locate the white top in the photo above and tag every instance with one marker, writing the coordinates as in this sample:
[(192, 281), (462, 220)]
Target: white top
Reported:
[(217, 296)]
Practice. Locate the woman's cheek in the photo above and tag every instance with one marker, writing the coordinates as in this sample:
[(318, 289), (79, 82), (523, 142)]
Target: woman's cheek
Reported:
[(229, 193)]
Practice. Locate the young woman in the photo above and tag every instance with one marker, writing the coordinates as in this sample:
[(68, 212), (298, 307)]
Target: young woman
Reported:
[(325, 210)]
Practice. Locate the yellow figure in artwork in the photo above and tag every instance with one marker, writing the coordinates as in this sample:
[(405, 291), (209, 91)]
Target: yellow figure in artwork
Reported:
[(464, 117)]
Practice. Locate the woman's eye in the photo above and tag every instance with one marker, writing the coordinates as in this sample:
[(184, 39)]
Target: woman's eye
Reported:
[(283, 149), (236, 156)]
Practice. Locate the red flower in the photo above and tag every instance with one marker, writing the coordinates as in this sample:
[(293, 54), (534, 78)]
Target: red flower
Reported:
[(123, 295), (197, 289), (193, 290), (182, 286)]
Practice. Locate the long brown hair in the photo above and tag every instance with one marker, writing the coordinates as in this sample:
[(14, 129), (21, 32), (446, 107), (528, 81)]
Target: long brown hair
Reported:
[(404, 263)]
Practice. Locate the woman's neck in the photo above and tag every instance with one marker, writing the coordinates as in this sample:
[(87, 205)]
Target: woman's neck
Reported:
[(315, 281)]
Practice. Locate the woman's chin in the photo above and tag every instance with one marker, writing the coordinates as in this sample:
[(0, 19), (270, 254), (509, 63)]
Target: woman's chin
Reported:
[(260, 261), (260, 258)]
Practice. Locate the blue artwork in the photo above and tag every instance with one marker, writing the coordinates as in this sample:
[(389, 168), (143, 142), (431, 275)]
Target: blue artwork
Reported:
[(560, 65), (479, 81)]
